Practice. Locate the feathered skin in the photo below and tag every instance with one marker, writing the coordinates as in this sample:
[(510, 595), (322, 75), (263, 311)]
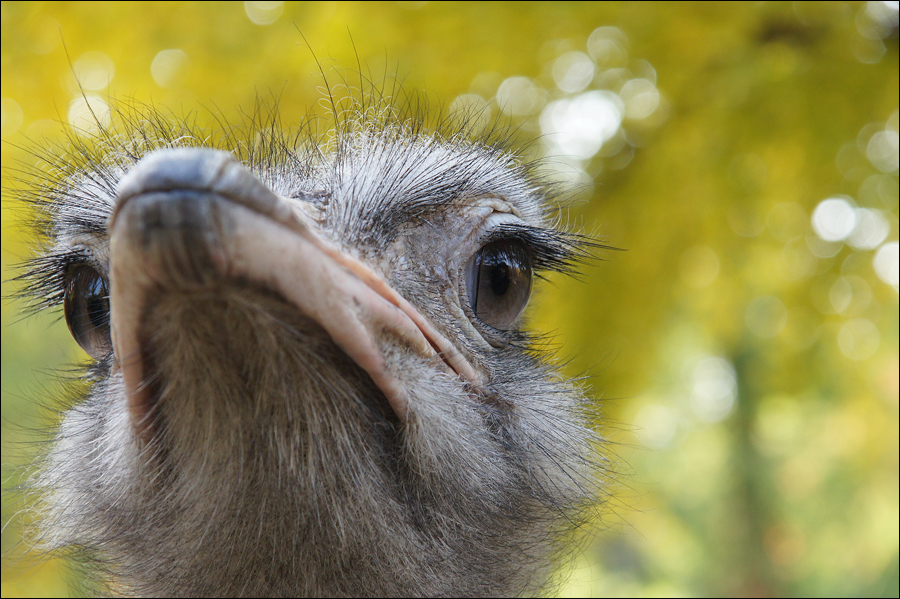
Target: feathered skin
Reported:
[(252, 452)]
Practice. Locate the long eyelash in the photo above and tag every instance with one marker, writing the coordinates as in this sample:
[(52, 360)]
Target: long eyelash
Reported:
[(45, 279), (551, 250)]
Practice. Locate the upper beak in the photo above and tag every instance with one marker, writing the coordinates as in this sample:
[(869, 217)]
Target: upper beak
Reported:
[(191, 218)]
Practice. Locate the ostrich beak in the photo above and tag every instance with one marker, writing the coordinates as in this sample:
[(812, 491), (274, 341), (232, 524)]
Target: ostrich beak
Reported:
[(192, 219)]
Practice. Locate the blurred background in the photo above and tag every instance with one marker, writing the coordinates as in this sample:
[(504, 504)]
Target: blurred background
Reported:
[(744, 348)]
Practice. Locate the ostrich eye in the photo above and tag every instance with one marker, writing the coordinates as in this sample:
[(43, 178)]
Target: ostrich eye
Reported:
[(87, 310), (498, 281)]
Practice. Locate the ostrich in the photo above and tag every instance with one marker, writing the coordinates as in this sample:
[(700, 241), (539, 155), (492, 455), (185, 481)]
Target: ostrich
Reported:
[(307, 373)]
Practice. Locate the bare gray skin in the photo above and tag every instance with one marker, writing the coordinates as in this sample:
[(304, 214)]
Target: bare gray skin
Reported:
[(308, 375)]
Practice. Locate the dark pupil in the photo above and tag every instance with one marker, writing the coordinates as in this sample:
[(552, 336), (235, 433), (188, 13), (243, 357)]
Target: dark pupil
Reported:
[(500, 278), (97, 309)]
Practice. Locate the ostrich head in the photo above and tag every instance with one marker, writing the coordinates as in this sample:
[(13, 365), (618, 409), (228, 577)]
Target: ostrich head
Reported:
[(308, 374)]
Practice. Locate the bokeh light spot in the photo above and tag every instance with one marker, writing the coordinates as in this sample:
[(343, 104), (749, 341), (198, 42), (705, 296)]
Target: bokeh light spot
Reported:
[(796, 262), (850, 295), (94, 70), (579, 126), (883, 151), (881, 189), (167, 67), (641, 98), (821, 248), (841, 294), (88, 115), (520, 96), (486, 84), (11, 116), (263, 13), (870, 230), (607, 46), (859, 339), (714, 389), (655, 425), (876, 20), (573, 71), (834, 219), (887, 264)]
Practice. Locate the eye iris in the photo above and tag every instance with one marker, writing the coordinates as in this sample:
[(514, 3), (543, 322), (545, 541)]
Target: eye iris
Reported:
[(499, 282), (87, 310)]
